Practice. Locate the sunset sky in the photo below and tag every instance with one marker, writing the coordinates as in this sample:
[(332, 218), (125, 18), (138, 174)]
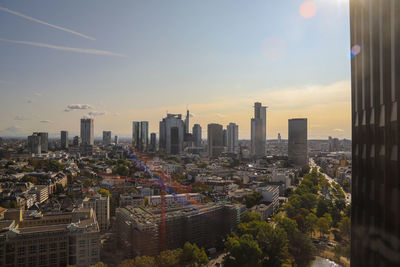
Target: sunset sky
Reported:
[(127, 60)]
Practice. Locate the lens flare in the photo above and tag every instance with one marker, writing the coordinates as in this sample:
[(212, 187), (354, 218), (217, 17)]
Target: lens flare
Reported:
[(308, 9), (274, 48), (355, 50)]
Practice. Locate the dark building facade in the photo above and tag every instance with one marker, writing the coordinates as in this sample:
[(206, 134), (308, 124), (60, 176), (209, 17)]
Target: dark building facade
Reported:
[(375, 232)]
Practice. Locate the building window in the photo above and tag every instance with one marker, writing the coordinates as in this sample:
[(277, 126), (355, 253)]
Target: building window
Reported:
[(21, 251), (53, 246), (63, 245), (42, 248), (82, 243), (32, 249)]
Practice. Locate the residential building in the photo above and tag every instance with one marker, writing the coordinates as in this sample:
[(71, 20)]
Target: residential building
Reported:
[(172, 130), (87, 131), (232, 137), (270, 193), (64, 140), (141, 231), (76, 141), (375, 81), (57, 239), (297, 142), (258, 130), (116, 139), (214, 139), (101, 205)]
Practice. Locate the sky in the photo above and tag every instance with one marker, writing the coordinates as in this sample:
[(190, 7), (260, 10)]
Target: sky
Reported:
[(131, 60)]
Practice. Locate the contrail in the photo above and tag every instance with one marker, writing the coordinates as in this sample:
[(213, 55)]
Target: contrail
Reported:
[(45, 23), (66, 48)]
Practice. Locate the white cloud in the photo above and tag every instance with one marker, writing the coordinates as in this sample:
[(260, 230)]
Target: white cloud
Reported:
[(97, 113), (45, 23), (77, 106), (338, 130), (66, 48), (12, 129), (46, 121), (21, 118), (37, 94)]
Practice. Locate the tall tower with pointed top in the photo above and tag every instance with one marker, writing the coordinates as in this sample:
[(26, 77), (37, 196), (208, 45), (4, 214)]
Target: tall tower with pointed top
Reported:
[(187, 121)]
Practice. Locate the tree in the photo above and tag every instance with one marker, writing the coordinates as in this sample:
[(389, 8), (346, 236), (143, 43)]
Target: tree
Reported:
[(242, 251), (127, 263), (300, 245), (323, 226), (144, 261), (273, 244), (345, 228), (311, 222), (192, 255), (253, 199), (250, 216), (322, 207), (59, 188), (29, 178), (104, 192), (169, 258), (99, 264)]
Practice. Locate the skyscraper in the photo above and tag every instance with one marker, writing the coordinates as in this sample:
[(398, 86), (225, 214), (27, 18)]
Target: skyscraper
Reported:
[(258, 130), (34, 144), (187, 122), (64, 140), (172, 130), (279, 138), (44, 141), (375, 65), (116, 139), (214, 138), (87, 131), (197, 135), (153, 141), (140, 135), (297, 143), (106, 138), (232, 137)]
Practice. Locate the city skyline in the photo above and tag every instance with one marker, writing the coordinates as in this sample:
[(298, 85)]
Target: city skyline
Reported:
[(218, 76)]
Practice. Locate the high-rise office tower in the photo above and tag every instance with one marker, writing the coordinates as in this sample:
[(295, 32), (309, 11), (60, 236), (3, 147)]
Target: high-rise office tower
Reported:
[(153, 141), (279, 138), (87, 131), (44, 141), (140, 135), (106, 138), (297, 143), (214, 139), (172, 130), (232, 137), (197, 135), (224, 138), (64, 140), (258, 130), (116, 139), (34, 143), (76, 141), (187, 122), (375, 83)]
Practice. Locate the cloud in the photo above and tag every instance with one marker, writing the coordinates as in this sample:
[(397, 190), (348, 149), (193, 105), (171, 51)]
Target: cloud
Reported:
[(97, 113), (46, 121), (66, 48), (45, 23), (21, 118), (77, 106), (12, 129), (37, 94), (30, 101), (338, 130)]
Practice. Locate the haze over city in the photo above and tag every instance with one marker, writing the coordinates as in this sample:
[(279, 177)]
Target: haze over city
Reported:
[(131, 60)]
